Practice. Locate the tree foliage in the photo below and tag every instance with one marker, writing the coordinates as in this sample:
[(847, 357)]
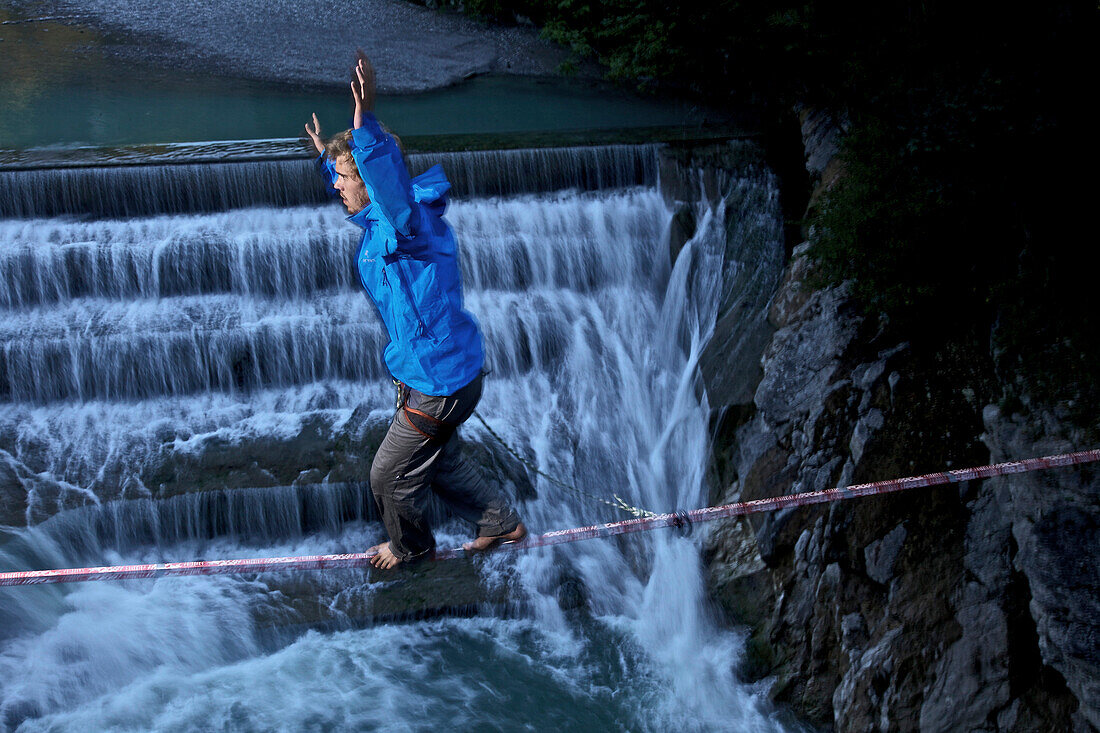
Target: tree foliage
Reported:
[(958, 204)]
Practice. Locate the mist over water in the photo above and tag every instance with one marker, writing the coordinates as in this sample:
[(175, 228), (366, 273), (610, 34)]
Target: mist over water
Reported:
[(132, 343)]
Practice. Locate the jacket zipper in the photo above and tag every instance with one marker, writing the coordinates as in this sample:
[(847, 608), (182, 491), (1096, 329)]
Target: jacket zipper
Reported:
[(421, 329)]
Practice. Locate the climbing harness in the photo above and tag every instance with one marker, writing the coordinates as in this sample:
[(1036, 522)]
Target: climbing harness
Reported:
[(678, 519), (431, 427), (618, 503)]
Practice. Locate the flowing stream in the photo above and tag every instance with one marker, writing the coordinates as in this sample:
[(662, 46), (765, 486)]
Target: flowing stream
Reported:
[(192, 334)]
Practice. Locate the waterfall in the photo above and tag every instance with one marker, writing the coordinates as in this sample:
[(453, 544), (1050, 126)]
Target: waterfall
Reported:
[(149, 356), (182, 181)]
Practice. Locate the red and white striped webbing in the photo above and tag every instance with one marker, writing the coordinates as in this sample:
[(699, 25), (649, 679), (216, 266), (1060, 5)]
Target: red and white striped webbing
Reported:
[(706, 514)]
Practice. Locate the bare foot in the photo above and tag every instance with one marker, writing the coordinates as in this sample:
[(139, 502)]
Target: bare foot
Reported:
[(481, 544), (384, 559)]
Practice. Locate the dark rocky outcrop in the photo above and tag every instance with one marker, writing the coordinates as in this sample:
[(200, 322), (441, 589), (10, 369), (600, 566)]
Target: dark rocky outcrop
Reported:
[(1054, 520), (732, 179), (969, 607)]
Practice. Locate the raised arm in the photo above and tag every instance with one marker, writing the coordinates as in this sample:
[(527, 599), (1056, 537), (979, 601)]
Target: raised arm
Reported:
[(364, 87), (378, 158), (315, 135), (324, 165)]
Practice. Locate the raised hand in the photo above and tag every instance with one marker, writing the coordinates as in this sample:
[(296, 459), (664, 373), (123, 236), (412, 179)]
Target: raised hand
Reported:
[(315, 134), (363, 88)]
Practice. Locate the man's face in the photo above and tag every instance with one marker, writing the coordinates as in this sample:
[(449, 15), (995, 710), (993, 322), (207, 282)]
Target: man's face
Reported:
[(353, 192)]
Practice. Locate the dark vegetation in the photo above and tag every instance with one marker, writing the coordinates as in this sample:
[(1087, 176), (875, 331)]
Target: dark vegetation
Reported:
[(960, 206)]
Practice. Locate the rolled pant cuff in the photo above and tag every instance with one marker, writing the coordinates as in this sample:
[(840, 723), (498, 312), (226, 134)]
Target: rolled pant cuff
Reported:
[(410, 557), (496, 530)]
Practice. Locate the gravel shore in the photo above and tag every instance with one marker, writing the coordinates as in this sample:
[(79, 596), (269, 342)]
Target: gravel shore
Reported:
[(309, 41)]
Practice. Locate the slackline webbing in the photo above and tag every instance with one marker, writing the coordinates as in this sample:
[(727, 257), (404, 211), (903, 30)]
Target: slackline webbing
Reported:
[(677, 519)]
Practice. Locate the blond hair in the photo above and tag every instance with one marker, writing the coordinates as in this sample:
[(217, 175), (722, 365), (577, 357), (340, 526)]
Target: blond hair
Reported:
[(338, 146)]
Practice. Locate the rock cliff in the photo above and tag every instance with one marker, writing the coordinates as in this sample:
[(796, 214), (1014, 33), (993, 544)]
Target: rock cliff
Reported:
[(969, 607)]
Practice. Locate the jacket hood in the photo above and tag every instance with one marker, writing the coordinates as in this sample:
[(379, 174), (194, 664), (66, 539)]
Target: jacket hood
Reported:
[(431, 187)]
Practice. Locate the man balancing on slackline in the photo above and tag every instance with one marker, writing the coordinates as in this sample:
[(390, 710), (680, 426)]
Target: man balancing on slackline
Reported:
[(408, 264)]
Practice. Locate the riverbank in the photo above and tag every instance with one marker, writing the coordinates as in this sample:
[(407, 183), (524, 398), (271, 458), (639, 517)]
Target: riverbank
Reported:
[(307, 43)]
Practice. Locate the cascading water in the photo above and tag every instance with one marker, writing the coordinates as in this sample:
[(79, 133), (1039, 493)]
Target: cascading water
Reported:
[(148, 357)]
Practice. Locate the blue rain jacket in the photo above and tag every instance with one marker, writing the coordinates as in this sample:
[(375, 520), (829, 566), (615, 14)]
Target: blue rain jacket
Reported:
[(408, 263)]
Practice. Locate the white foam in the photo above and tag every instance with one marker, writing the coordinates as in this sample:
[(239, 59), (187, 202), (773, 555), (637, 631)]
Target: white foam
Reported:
[(595, 340)]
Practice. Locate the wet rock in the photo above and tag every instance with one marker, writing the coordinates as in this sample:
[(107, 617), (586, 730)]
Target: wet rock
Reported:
[(238, 459), (701, 173), (314, 449), (973, 683), (730, 179), (363, 597), (802, 358), (310, 476), (681, 230), (959, 608), (1055, 520), (571, 594), (853, 629), (790, 300), (861, 700), (821, 132), (903, 610), (831, 410), (29, 497), (13, 502), (864, 429), (972, 678), (880, 555), (737, 571)]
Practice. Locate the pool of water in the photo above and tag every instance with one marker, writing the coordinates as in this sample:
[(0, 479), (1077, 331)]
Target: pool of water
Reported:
[(61, 86)]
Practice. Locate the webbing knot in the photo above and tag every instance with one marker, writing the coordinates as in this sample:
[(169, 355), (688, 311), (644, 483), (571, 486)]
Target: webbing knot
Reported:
[(682, 521)]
